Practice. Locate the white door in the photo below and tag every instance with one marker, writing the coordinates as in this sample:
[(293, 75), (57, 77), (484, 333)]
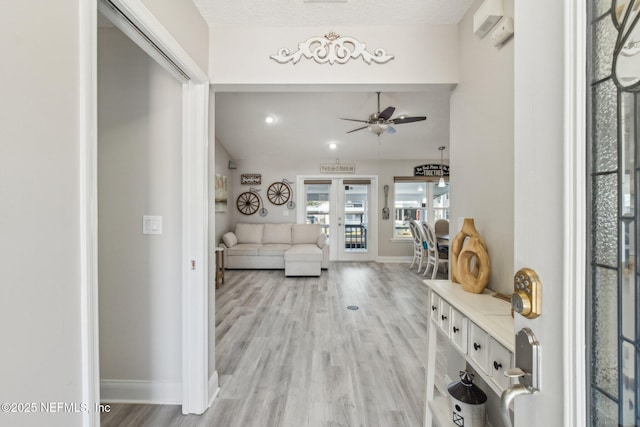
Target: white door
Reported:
[(549, 200), (345, 208)]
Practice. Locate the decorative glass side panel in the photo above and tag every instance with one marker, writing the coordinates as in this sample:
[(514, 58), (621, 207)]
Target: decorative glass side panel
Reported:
[(605, 331), (605, 220), (614, 335), (605, 127)]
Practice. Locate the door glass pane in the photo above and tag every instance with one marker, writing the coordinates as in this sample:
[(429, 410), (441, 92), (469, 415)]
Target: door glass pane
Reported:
[(605, 331), (605, 130), (356, 202), (604, 411), (605, 219), (604, 39), (317, 205), (628, 400)]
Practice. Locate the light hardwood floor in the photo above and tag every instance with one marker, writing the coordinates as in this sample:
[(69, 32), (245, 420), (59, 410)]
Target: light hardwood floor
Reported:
[(289, 353)]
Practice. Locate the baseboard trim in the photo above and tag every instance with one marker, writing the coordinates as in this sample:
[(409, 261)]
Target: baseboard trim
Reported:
[(394, 259), (214, 387), (135, 391)]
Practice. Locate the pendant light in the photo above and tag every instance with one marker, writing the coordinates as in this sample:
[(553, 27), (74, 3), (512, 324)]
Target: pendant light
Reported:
[(441, 182)]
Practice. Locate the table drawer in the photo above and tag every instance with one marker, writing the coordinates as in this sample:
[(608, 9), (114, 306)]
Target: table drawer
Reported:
[(478, 348), (444, 320), (500, 359), (435, 307), (459, 330)]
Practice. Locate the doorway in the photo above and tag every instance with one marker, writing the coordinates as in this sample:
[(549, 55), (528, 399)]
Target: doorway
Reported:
[(343, 206), (196, 381)]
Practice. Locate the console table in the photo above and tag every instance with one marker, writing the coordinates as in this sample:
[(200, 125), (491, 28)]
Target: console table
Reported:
[(480, 328)]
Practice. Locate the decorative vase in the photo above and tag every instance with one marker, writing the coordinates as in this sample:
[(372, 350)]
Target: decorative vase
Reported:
[(467, 402), (469, 259)]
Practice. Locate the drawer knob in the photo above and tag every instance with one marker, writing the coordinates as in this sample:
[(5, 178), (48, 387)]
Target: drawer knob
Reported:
[(476, 346), (497, 366), (455, 329), (443, 317), (434, 308)]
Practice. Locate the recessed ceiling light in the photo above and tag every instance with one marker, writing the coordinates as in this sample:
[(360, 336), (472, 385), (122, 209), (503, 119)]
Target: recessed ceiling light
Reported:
[(333, 146), (269, 120)]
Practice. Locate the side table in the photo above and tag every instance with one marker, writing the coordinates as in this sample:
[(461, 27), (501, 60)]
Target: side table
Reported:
[(219, 266)]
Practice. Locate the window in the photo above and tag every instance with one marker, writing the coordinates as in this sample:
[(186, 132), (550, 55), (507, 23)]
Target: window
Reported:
[(417, 198)]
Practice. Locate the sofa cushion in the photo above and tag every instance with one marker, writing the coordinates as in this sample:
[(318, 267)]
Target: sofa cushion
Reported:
[(249, 233), (244, 249), (304, 252), (229, 239), (305, 233), (277, 233), (273, 249)]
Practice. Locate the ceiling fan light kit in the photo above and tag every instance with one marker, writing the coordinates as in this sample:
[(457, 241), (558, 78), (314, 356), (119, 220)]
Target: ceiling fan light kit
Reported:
[(380, 122)]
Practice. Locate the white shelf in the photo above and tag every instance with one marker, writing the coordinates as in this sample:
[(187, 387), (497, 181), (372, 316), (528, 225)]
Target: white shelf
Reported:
[(491, 315)]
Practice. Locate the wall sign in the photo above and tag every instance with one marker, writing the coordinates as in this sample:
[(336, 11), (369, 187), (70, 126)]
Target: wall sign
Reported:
[(250, 179), (431, 170), (338, 168)]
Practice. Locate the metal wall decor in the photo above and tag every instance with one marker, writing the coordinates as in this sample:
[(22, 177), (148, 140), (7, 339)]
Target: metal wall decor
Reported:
[(250, 179), (280, 193), (250, 201), (332, 48)]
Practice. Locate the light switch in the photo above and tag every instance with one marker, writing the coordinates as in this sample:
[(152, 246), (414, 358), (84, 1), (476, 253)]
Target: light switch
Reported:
[(151, 224), (285, 212)]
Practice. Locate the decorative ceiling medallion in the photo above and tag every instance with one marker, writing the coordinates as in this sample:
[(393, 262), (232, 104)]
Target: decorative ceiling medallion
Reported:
[(332, 48)]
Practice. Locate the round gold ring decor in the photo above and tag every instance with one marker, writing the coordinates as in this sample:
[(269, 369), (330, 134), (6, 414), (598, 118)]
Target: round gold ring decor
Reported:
[(474, 279)]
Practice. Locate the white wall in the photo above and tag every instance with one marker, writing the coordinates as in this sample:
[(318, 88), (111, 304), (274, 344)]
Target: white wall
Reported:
[(182, 19), (538, 183), (39, 219), (422, 55), (482, 145), (139, 173)]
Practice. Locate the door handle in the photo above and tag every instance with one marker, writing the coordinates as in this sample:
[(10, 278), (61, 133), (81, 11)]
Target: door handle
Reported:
[(526, 372)]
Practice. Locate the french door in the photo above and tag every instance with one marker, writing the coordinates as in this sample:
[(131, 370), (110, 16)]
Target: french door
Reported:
[(345, 208)]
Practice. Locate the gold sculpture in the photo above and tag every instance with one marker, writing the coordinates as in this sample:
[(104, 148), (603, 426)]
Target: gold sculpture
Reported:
[(469, 259)]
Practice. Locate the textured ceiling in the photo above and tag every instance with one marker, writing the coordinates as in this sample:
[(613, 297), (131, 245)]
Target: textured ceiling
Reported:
[(297, 13)]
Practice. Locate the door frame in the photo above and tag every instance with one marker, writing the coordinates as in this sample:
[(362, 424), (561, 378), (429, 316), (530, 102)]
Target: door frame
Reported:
[(135, 20), (373, 207), (575, 208)]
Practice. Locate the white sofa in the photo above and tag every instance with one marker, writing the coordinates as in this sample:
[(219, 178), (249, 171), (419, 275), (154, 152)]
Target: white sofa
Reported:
[(299, 249)]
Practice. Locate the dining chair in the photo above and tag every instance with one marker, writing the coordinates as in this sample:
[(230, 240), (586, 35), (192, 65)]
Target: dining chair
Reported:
[(434, 256), (419, 243), (441, 227)]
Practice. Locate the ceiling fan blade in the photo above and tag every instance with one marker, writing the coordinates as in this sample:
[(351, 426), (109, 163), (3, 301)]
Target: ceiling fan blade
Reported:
[(386, 113), (391, 130), (400, 120), (363, 127), (354, 120)]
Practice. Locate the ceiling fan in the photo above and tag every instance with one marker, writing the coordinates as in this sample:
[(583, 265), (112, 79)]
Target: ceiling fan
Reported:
[(381, 121)]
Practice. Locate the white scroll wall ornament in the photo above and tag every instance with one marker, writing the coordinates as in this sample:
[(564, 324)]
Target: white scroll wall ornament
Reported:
[(332, 48)]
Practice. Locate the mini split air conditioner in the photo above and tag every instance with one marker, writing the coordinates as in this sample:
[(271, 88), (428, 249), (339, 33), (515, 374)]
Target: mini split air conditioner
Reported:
[(487, 15)]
